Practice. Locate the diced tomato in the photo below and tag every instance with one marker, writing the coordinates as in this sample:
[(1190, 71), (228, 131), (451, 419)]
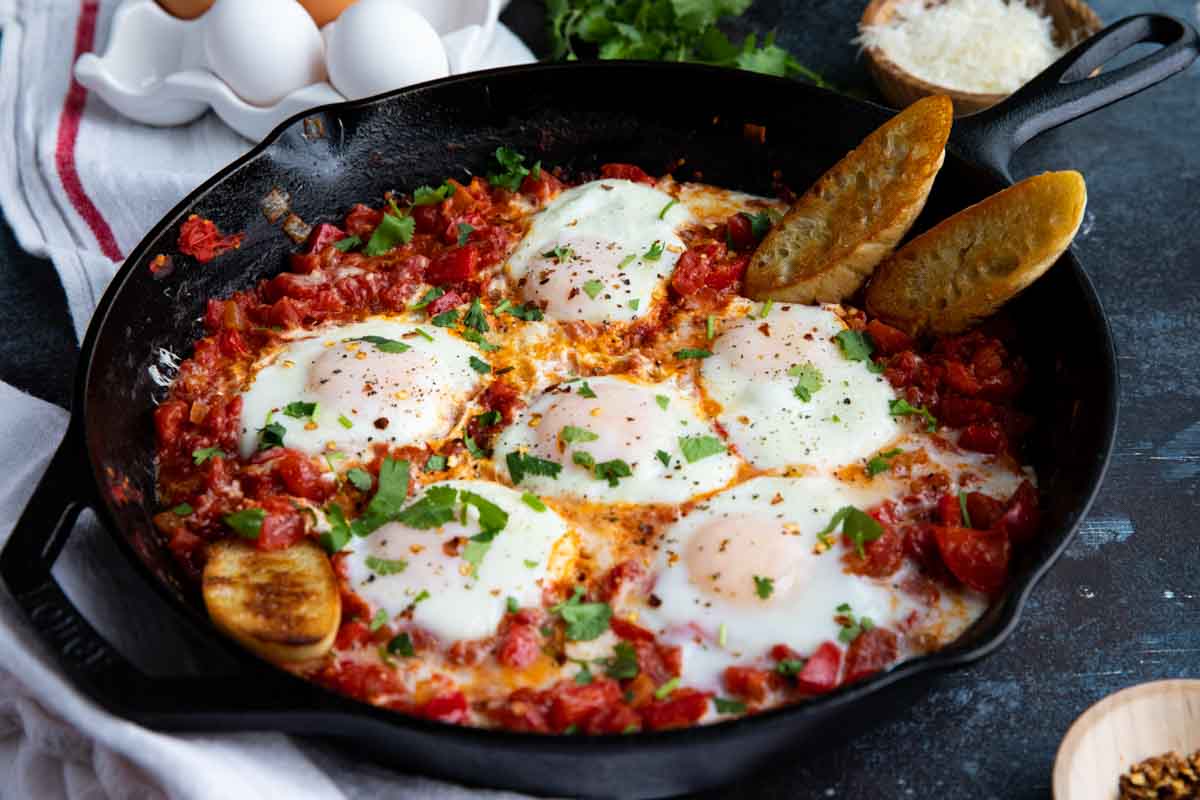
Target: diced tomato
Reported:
[(524, 710), (693, 267), (362, 221), (352, 634), (959, 378), (200, 239), (541, 188), (453, 266), (870, 652), (519, 647), (625, 576), (428, 219), (444, 303), (820, 672), (1020, 520), (626, 172), (683, 708), (949, 511), (888, 340), (749, 683), (231, 343), (614, 719), (168, 421), (740, 232), (958, 411), (986, 438), (450, 707), (572, 704), (302, 477), (726, 272), (977, 558), (983, 510), (625, 629), (881, 558), (324, 235), (283, 525), (366, 681), (286, 313)]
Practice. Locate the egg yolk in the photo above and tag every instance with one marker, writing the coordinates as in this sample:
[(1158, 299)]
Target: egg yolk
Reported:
[(620, 417), (732, 558)]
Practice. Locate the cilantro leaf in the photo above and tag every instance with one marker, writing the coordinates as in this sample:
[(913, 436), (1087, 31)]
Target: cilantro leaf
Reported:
[(271, 435), (901, 408), (428, 297), (427, 196), (724, 706), (764, 587), (446, 319), (389, 498), (592, 288), (435, 463), (491, 517), (433, 510), (858, 526), (464, 233), (760, 223), (392, 231), (695, 448), (479, 365), (585, 621), (571, 434), (347, 243), (338, 534), (360, 478), (533, 501), (522, 464), (382, 344), (586, 391), (182, 510), (655, 252), (386, 566), (583, 459), (402, 645), (663, 456), (882, 462), (692, 352), (612, 471), (246, 523), (475, 318), (200, 455), (809, 380), (299, 410), (623, 664), (512, 170)]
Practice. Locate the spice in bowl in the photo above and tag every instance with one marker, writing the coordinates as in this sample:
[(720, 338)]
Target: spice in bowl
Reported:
[(1165, 777), (977, 46)]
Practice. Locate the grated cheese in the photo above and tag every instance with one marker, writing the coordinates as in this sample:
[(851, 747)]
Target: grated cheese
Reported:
[(982, 46)]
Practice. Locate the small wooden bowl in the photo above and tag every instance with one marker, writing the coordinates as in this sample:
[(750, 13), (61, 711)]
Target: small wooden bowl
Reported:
[(1122, 730), (1073, 21)]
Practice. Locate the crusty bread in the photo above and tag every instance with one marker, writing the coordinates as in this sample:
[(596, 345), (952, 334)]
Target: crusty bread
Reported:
[(282, 604), (834, 236), (963, 269)]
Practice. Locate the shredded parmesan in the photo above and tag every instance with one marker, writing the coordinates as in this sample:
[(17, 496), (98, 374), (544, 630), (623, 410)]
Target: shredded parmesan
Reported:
[(981, 46)]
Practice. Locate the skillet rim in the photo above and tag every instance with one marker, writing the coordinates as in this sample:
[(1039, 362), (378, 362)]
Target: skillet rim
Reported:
[(1012, 602)]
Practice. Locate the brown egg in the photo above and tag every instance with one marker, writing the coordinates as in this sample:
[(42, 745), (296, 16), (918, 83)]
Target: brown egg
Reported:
[(325, 11), (186, 9)]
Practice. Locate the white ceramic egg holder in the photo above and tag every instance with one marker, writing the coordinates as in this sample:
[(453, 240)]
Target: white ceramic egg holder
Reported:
[(153, 69)]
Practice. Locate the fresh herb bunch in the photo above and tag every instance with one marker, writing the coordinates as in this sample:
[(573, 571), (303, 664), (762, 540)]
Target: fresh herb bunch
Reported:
[(666, 30)]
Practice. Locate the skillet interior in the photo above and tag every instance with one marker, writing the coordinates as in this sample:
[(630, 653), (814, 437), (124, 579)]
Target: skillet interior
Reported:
[(578, 116)]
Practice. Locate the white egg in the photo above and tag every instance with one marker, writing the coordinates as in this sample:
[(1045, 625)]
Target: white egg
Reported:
[(672, 454), (264, 50), (602, 251), (765, 528), (365, 392), (376, 46), (428, 570), (753, 373)]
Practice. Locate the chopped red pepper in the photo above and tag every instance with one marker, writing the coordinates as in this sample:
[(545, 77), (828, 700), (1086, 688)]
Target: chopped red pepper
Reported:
[(200, 239)]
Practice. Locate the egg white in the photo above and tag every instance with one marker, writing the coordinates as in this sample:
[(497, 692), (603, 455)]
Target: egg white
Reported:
[(461, 605), (748, 375), (767, 527), (608, 226), (394, 398), (631, 424)]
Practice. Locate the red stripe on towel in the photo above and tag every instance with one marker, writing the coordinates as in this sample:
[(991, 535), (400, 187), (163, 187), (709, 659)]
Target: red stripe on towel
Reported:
[(68, 133)]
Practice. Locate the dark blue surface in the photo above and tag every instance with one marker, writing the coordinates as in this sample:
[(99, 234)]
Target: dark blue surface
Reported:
[(1122, 606)]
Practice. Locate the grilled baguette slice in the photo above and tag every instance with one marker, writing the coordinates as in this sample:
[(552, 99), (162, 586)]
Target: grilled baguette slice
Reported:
[(966, 267), (834, 236), (283, 605)]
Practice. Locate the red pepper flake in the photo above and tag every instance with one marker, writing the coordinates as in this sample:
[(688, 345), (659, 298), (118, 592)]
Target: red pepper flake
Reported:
[(200, 239), (161, 266)]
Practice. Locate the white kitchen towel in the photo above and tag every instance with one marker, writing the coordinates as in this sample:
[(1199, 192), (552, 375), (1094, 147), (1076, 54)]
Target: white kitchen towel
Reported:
[(80, 185)]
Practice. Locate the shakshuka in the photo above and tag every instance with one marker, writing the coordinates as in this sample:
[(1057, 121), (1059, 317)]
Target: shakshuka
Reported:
[(568, 480)]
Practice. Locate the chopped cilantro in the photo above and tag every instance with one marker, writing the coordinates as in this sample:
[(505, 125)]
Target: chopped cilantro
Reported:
[(663, 214), (592, 288), (246, 523), (383, 344), (664, 691), (790, 666), (634, 304), (345, 422), (766, 309), (428, 297), (529, 564), (423, 334), (379, 620), (475, 318), (338, 534), (710, 327), (858, 526), (389, 497), (182, 510), (474, 449), (491, 517), (472, 335), (612, 471), (662, 400), (809, 380), (488, 418), (584, 676), (585, 621), (299, 410), (522, 464), (901, 408), (401, 645), (695, 448), (692, 352), (205, 453), (392, 230), (763, 587), (527, 312), (586, 391), (881, 462), (433, 510), (346, 244), (511, 605), (360, 478), (533, 501), (962, 507), (663, 456), (853, 627), (655, 252), (386, 566), (760, 223), (724, 706), (855, 345), (428, 196), (479, 365), (435, 463), (271, 435), (626, 261), (512, 170), (623, 664), (559, 254), (446, 319), (571, 434)]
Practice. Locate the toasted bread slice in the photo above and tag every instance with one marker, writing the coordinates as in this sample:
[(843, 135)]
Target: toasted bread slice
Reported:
[(966, 267), (282, 604), (851, 219)]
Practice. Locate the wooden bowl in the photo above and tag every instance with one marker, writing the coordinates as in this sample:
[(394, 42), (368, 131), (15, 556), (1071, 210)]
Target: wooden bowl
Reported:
[(1073, 22), (1122, 730)]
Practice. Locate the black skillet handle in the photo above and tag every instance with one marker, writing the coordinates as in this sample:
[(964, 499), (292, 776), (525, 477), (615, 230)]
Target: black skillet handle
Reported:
[(1064, 92), (25, 566)]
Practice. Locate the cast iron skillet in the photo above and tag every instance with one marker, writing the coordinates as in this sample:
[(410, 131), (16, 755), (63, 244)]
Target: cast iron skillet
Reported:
[(578, 116)]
